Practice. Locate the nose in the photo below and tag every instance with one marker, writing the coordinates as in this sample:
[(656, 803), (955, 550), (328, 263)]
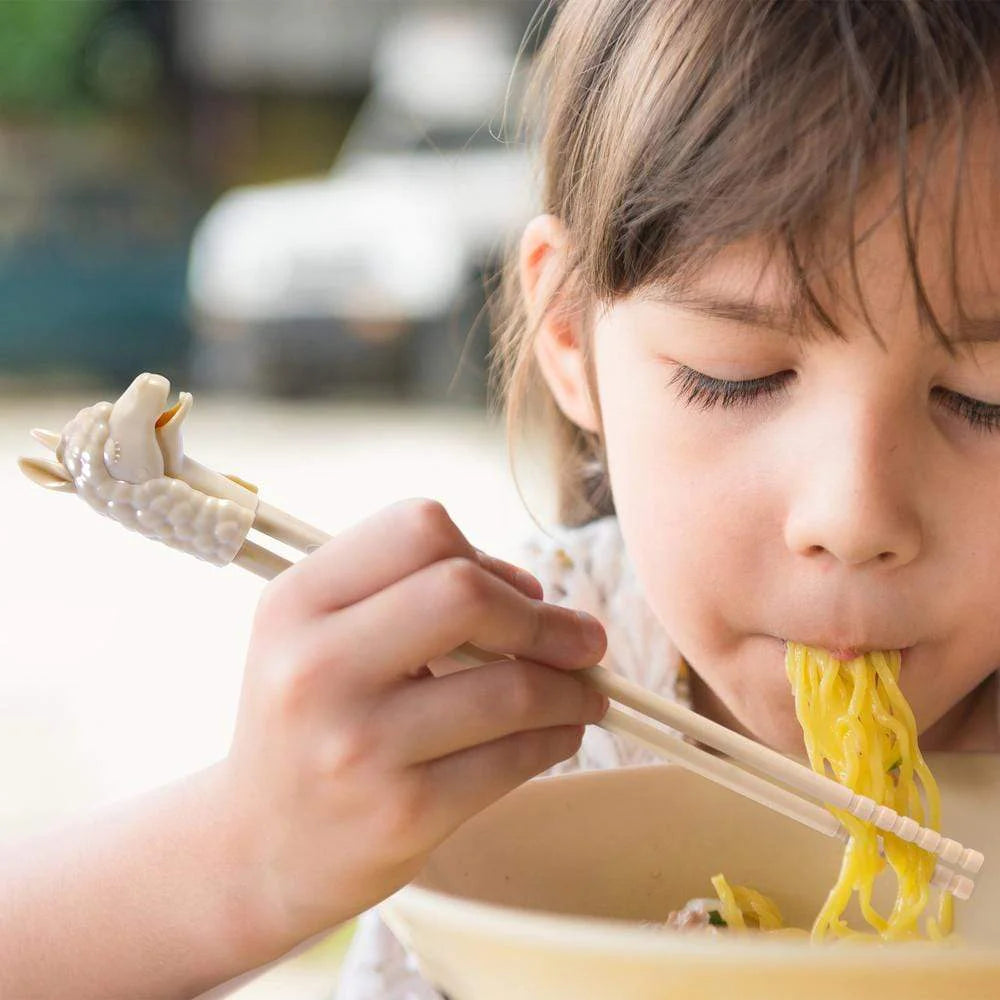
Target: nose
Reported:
[(853, 498)]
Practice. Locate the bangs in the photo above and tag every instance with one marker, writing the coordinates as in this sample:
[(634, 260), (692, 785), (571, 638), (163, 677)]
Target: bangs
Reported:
[(774, 133)]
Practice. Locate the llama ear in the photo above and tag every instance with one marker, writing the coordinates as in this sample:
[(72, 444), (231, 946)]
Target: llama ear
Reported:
[(51, 475), (48, 438)]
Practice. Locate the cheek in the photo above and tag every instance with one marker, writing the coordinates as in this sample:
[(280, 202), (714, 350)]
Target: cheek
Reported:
[(697, 516)]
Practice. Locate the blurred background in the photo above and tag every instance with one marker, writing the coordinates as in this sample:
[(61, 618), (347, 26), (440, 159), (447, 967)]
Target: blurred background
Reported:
[(295, 209)]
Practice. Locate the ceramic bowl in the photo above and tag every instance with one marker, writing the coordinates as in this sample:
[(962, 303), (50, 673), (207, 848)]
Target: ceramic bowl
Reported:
[(546, 894)]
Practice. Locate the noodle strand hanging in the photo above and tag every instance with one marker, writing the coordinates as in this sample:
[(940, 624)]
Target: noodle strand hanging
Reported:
[(859, 729)]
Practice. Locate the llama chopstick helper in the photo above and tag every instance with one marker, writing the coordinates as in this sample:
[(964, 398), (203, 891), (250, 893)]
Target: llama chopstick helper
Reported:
[(127, 461)]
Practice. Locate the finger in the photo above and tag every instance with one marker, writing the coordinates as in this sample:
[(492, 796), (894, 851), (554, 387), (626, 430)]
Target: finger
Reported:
[(430, 613), (436, 716), (361, 560), (517, 577), (364, 559), (466, 782)]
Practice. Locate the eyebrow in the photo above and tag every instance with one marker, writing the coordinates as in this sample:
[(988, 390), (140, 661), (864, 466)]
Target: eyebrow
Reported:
[(970, 329), (736, 310)]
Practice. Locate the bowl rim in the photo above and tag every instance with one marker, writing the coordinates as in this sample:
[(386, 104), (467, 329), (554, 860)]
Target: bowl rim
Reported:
[(575, 932)]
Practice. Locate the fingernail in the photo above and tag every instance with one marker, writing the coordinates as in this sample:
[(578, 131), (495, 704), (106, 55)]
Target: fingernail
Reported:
[(593, 628), (528, 582), (601, 704)]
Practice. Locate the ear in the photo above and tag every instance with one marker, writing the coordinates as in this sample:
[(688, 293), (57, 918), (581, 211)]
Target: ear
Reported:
[(558, 339), (51, 475)]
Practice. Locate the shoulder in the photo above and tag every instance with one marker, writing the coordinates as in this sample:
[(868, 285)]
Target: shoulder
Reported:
[(588, 568), (590, 558)]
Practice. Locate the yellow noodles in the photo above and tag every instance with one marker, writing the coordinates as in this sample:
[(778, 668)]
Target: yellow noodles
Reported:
[(858, 726), (730, 912), (859, 729), (740, 902)]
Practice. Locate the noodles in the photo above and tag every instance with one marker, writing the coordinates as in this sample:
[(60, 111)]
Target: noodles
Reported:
[(730, 910), (858, 725), (740, 903), (859, 729)]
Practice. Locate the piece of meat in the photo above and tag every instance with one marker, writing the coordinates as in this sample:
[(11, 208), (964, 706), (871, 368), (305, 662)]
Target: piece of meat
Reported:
[(686, 919), (695, 915)]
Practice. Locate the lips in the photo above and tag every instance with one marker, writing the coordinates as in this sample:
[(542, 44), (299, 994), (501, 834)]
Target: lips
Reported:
[(846, 654), (850, 651)]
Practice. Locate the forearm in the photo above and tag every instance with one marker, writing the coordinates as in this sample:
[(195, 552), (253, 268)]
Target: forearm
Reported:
[(147, 899)]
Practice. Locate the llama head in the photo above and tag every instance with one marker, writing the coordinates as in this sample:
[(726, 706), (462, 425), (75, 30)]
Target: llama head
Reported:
[(144, 440)]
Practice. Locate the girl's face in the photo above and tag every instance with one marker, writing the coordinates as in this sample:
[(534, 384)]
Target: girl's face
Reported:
[(772, 486)]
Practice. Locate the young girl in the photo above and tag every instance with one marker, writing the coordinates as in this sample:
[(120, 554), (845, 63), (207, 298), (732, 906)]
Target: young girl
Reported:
[(759, 319), (761, 314)]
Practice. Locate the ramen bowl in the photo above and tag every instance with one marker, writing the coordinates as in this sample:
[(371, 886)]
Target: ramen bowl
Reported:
[(550, 892)]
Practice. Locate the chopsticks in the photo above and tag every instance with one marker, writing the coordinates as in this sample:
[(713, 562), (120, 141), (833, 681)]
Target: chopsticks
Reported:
[(752, 786), (723, 771), (766, 777)]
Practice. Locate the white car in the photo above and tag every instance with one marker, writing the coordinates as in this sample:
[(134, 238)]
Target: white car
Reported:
[(372, 271)]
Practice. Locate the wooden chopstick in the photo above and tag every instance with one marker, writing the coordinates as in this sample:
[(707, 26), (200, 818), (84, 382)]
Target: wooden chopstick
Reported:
[(717, 769), (761, 788), (724, 772), (749, 785), (780, 768)]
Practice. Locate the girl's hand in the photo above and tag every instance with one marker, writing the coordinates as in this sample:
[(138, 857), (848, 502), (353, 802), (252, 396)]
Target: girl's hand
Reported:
[(351, 760)]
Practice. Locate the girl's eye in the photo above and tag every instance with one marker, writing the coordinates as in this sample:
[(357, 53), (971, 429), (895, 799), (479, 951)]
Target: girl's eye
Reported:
[(979, 415), (697, 389)]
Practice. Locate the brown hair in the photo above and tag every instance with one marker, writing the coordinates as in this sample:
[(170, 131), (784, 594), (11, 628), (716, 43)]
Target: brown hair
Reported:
[(669, 129)]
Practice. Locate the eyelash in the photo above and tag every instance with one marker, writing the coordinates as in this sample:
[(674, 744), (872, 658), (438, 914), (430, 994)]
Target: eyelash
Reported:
[(705, 392), (983, 417)]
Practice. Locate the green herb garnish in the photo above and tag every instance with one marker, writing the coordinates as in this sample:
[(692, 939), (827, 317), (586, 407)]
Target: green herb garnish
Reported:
[(715, 919)]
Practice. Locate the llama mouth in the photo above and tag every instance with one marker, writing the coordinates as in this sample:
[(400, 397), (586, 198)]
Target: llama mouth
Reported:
[(167, 415)]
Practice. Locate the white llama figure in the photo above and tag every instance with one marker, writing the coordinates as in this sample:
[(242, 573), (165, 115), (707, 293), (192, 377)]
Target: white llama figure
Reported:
[(127, 461)]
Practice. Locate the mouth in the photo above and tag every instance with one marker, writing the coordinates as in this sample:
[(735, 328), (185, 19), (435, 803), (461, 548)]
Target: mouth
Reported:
[(167, 415), (847, 651)]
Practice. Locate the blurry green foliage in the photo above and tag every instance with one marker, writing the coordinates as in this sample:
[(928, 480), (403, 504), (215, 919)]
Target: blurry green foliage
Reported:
[(40, 47)]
